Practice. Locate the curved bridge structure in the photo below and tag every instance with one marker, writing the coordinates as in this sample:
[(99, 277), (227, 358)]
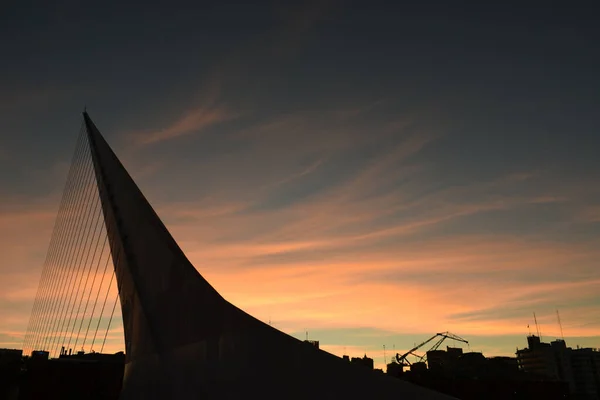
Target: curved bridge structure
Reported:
[(183, 340)]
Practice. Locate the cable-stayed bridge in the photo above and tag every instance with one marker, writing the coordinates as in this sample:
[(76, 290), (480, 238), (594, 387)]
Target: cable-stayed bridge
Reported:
[(76, 301), (182, 339)]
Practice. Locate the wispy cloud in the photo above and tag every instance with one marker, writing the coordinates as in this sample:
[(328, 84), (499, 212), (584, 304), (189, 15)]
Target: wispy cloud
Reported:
[(284, 40), (590, 214), (310, 169), (192, 122)]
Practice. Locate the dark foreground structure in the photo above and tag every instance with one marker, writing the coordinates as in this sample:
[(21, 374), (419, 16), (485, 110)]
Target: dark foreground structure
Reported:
[(10, 371), (494, 388), (183, 340), (77, 377)]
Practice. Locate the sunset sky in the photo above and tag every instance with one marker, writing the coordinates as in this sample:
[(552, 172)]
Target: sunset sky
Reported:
[(371, 174)]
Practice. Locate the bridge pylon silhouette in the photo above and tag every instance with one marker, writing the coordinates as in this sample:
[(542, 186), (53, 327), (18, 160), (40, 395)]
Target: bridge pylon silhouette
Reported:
[(182, 339)]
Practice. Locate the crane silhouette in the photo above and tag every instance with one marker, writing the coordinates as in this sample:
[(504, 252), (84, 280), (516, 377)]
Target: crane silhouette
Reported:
[(403, 359)]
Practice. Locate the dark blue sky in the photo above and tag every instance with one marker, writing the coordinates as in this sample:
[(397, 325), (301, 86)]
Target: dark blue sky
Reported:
[(509, 81)]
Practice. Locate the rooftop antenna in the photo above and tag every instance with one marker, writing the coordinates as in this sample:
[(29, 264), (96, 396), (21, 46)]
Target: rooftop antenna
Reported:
[(560, 325), (384, 357), (537, 326), (306, 333)]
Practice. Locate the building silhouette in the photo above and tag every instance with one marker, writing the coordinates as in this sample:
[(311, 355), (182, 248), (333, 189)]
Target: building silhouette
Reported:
[(363, 361), (91, 376), (545, 359), (585, 364), (580, 368), (10, 368), (471, 375)]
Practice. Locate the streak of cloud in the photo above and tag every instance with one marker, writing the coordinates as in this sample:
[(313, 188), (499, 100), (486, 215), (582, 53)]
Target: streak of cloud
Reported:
[(194, 121), (311, 168), (590, 214)]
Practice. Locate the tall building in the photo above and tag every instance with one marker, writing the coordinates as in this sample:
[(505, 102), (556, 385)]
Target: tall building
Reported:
[(443, 360), (543, 359), (580, 368), (585, 364)]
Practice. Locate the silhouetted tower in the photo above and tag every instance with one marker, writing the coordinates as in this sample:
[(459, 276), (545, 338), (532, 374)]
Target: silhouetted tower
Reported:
[(384, 357), (537, 327), (560, 325)]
